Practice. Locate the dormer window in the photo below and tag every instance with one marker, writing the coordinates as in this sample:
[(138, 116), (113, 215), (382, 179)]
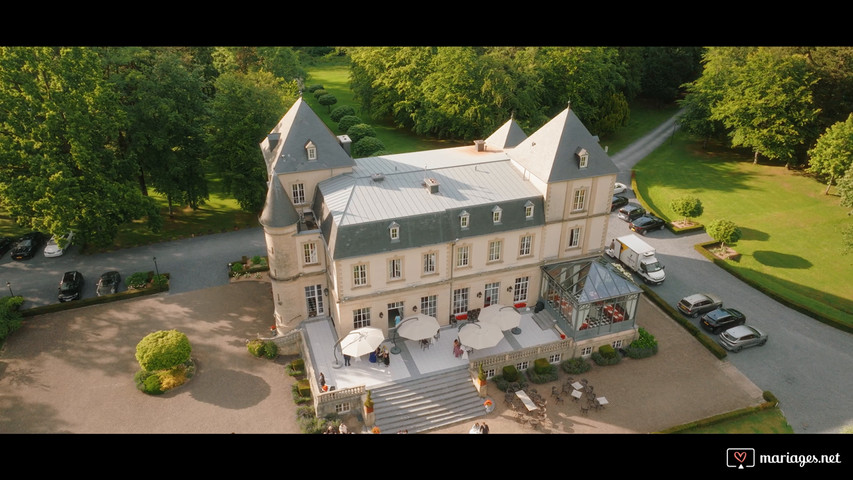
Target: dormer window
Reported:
[(583, 158), (311, 150), (496, 215), (394, 231), (464, 219), (528, 210)]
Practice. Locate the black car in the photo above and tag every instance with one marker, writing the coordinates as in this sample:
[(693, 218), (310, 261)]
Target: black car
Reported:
[(71, 286), (630, 212), (722, 319), (618, 202), (108, 283), (6, 244), (646, 223), (27, 246)]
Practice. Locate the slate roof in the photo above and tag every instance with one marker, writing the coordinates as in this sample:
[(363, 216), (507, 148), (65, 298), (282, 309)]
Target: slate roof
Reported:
[(278, 210), (550, 153), (299, 126)]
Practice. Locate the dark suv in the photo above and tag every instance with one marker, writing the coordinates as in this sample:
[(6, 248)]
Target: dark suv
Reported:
[(71, 286)]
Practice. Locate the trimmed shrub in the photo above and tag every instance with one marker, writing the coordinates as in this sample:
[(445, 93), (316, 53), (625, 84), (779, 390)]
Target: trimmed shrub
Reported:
[(510, 373), (137, 280), (163, 350), (359, 131), (304, 388), (644, 346), (256, 347), (348, 121), (300, 399), (313, 88), (320, 92), (503, 384), (341, 111), (575, 366), (270, 350), (542, 374), (367, 147), (606, 355), (541, 365)]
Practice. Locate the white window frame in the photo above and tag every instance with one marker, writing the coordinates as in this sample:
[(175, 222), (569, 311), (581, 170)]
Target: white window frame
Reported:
[(586, 351), (495, 247), (394, 231), (309, 253), (430, 263), (491, 294), (463, 256), (520, 289), (311, 151), (359, 275), (464, 220), (395, 269), (584, 160), (525, 246), (429, 305), (361, 317), (497, 212), (460, 301), (522, 366), (528, 210), (297, 190), (579, 200), (575, 235), (555, 358)]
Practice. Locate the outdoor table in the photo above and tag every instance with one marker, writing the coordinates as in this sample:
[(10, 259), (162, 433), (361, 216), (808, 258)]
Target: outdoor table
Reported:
[(601, 401), (577, 394), (526, 400), (578, 385)]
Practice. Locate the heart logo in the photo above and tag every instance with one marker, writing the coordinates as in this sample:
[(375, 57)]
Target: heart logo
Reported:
[(740, 456)]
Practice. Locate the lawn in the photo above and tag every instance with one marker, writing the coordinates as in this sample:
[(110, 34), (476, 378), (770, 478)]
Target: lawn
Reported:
[(770, 420), (791, 230)]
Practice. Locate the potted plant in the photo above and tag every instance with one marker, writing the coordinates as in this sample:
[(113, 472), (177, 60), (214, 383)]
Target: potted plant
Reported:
[(481, 375), (368, 404)]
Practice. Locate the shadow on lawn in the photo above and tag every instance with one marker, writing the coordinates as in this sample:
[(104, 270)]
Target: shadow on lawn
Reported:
[(780, 260)]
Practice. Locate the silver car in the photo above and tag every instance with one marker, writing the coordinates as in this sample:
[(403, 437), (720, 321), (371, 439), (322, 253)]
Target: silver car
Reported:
[(740, 337)]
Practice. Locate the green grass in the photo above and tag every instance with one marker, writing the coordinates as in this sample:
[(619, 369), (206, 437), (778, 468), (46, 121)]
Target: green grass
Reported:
[(770, 420), (791, 230), (644, 117)]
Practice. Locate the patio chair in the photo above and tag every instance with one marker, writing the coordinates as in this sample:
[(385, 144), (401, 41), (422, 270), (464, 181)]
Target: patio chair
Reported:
[(554, 391), (567, 387), (559, 398), (585, 409)]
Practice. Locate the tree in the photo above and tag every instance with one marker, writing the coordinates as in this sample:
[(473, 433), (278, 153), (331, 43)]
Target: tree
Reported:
[(845, 189), (359, 131), (341, 111), (163, 350), (241, 114), (167, 109), (60, 129), (832, 156), (769, 107), (687, 207), (328, 100), (723, 231), (367, 146), (10, 318)]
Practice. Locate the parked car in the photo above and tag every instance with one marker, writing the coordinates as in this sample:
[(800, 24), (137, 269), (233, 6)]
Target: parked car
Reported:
[(721, 319), (6, 244), (619, 187), (27, 246), (108, 283), (630, 212), (52, 248), (699, 303), (618, 202), (71, 286), (646, 224), (740, 337)]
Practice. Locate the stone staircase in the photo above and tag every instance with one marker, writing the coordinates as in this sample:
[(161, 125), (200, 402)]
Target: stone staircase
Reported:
[(427, 402)]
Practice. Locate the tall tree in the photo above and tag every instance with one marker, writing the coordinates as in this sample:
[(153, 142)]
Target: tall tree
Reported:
[(59, 128), (769, 106), (167, 110), (832, 156), (241, 114)]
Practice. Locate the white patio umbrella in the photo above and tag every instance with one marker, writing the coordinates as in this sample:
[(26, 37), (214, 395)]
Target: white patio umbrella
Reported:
[(501, 316), (418, 327), (480, 335), (361, 341)]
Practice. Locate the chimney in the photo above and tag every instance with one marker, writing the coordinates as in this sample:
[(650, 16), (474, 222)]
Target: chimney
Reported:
[(431, 185), (345, 142), (273, 139), (481, 145)]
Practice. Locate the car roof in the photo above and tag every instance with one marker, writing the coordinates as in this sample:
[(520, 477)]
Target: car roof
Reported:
[(702, 296), (741, 330)]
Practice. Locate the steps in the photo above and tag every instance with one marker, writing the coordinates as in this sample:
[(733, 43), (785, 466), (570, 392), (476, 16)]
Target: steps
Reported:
[(427, 402)]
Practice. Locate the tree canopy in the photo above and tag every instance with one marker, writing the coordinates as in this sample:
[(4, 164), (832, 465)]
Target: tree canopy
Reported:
[(832, 156)]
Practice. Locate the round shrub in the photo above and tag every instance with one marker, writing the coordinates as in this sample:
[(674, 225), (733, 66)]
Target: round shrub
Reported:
[(367, 147), (575, 366), (606, 355), (163, 350), (359, 131), (644, 346), (270, 349), (148, 382), (256, 347), (314, 88), (540, 374), (341, 111), (348, 121), (320, 92)]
